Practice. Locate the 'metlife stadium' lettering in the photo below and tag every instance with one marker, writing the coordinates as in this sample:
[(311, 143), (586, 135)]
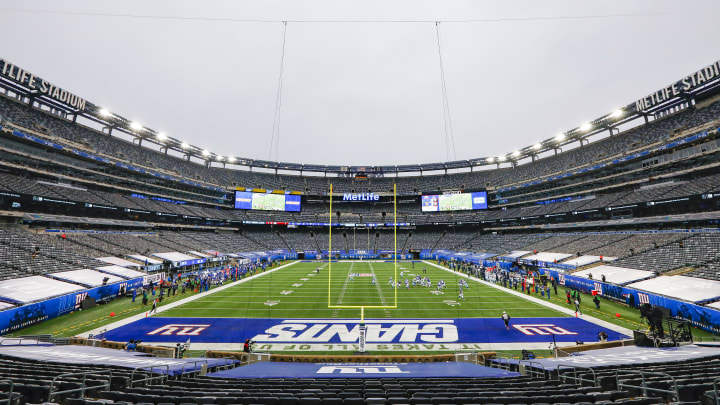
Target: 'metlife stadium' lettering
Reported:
[(44, 87), (361, 197), (687, 83)]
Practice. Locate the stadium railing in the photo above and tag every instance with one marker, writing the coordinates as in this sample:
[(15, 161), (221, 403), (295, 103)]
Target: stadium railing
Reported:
[(577, 379), (644, 386), (9, 392), (104, 383), (716, 392), (149, 375)]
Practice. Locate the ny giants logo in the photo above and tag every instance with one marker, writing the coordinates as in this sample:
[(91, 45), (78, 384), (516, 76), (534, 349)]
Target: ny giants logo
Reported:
[(542, 329), (79, 299), (361, 370), (179, 330), (643, 298)]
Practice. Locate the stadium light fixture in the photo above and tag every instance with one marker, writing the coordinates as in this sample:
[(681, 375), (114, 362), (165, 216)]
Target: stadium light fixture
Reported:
[(585, 127), (184, 145), (490, 160), (104, 112), (136, 126), (161, 136), (560, 137), (537, 146), (616, 113), (220, 158), (501, 158), (231, 159), (206, 152), (516, 153)]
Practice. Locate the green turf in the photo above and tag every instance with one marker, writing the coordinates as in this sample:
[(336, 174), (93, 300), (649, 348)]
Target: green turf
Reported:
[(310, 300), (298, 291)]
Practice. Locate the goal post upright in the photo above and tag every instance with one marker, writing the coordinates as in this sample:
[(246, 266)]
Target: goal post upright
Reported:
[(395, 253), (330, 250)]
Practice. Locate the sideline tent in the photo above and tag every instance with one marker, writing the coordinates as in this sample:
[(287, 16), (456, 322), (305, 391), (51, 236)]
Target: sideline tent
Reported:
[(691, 289), (615, 275), (714, 305), (86, 277), (119, 261), (121, 271), (34, 288), (145, 259)]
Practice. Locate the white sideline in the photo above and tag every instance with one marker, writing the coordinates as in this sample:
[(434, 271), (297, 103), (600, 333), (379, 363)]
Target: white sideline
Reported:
[(541, 301), (183, 301)]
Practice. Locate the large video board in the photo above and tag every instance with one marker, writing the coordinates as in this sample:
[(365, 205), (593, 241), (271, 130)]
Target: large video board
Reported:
[(455, 202), (245, 200)]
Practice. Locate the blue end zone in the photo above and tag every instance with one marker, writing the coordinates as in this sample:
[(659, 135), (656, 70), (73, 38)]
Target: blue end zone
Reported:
[(380, 331), (375, 370)]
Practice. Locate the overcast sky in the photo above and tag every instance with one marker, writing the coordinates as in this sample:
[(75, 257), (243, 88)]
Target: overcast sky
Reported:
[(364, 92)]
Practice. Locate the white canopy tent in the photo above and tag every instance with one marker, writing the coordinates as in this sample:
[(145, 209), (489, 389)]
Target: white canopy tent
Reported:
[(615, 275), (118, 261), (691, 289), (121, 271), (35, 288), (87, 277)]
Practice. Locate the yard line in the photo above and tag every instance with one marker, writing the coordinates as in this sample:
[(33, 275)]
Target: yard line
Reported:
[(342, 292), (379, 290)]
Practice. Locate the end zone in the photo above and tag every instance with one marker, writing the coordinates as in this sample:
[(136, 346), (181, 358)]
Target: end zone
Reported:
[(342, 334)]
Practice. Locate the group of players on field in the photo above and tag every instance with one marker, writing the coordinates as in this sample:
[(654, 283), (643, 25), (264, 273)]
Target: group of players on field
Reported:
[(422, 281)]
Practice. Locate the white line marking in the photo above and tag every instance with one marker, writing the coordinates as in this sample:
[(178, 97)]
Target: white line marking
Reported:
[(342, 292)]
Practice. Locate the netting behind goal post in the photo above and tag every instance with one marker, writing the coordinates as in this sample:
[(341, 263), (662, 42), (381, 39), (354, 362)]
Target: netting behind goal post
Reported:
[(332, 246)]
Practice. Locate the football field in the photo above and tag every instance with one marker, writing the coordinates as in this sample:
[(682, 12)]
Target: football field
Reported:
[(301, 291), (310, 307)]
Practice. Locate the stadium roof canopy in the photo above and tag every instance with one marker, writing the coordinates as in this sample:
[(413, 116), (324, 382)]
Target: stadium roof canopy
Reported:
[(681, 92)]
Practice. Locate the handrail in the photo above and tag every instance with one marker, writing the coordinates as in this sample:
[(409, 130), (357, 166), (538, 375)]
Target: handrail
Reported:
[(160, 376), (20, 339), (644, 386), (717, 392), (9, 393), (194, 363), (575, 378), (529, 368), (503, 356), (83, 388)]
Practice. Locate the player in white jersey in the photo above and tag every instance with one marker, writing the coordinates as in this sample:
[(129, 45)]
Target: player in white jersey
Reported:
[(391, 281), (407, 284), (461, 296), (401, 274), (439, 285), (373, 280)]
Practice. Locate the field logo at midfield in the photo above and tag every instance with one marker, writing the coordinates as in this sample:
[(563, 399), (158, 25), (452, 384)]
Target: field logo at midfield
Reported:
[(542, 329), (361, 370), (330, 330), (179, 330)]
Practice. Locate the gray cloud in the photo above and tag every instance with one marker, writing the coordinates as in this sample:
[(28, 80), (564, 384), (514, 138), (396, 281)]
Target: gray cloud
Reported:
[(362, 93)]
